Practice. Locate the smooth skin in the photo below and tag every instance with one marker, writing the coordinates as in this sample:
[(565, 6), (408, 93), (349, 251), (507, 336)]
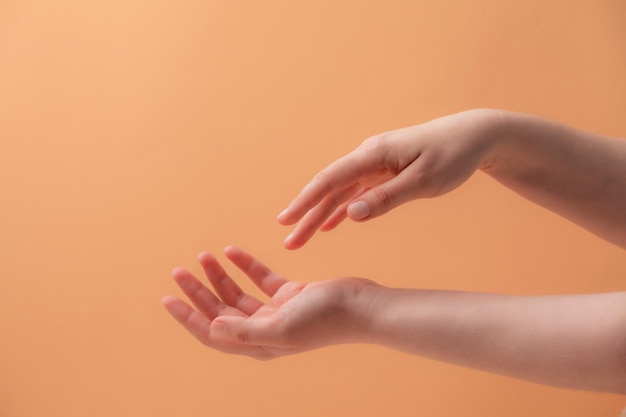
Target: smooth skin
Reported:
[(579, 175), (573, 341)]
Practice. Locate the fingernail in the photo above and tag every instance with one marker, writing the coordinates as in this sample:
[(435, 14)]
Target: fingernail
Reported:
[(219, 328), (359, 210)]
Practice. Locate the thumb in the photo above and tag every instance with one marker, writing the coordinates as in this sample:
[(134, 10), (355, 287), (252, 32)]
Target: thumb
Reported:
[(380, 199), (245, 330)]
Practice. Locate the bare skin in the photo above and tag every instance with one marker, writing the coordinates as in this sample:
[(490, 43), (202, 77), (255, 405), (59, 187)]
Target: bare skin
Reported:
[(573, 341), (579, 175)]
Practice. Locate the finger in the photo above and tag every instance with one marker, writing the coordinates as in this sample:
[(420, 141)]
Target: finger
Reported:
[(263, 331), (312, 221), (386, 196), (268, 281), (336, 218), (338, 175), (230, 345), (195, 323), (340, 213), (201, 297), (203, 330), (225, 287)]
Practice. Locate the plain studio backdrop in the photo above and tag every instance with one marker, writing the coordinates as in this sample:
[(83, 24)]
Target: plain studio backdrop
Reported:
[(136, 133)]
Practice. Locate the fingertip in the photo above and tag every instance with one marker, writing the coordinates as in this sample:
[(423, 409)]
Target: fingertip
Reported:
[(287, 217), (208, 260), (282, 216), (177, 308), (233, 253), (287, 222), (178, 271), (287, 241), (230, 249), (168, 300), (204, 257), (292, 243)]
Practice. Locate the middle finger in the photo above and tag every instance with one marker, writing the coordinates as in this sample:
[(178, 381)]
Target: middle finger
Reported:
[(225, 287)]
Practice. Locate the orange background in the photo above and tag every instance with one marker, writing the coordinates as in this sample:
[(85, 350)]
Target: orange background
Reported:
[(134, 134)]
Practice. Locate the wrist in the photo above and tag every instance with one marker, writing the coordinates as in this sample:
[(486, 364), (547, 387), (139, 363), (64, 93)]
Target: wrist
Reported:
[(495, 127), (507, 130), (360, 299)]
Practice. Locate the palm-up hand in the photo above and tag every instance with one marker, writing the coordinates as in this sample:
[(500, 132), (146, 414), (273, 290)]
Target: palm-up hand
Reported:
[(297, 317)]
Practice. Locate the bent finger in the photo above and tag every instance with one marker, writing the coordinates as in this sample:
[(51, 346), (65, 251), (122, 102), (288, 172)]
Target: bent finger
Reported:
[(195, 323), (267, 280), (340, 174), (380, 199), (340, 213), (251, 331), (201, 297), (312, 221), (226, 287), (201, 328)]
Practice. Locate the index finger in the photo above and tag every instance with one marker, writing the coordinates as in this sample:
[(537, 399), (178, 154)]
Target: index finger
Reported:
[(342, 173), (267, 280), (226, 287)]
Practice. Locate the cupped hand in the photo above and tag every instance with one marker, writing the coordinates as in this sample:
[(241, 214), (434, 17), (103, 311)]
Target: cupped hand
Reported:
[(390, 169), (296, 318)]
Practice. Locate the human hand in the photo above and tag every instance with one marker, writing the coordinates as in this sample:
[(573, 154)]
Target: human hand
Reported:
[(391, 168), (297, 317)]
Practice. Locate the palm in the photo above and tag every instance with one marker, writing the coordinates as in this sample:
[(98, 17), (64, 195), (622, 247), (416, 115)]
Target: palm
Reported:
[(297, 317)]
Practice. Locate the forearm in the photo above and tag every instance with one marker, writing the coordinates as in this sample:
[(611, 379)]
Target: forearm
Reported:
[(579, 175), (576, 341)]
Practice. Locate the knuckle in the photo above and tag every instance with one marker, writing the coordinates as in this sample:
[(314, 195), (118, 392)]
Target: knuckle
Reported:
[(383, 149), (323, 177), (242, 336), (383, 196), (427, 184), (376, 142)]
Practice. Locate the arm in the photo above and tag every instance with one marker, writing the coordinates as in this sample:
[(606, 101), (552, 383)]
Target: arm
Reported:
[(576, 341), (579, 175), (573, 341)]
